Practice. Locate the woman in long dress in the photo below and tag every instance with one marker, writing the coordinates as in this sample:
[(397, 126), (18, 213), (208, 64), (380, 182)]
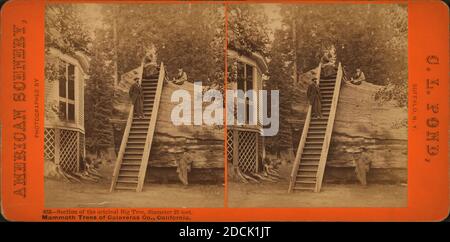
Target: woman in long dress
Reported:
[(314, 98), (137, 99)]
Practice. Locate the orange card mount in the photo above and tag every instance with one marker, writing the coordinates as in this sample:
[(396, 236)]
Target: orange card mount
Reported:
[(96, 123)]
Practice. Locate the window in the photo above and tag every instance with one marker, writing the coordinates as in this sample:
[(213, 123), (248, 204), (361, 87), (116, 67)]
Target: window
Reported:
[(245, 83), (66, 91)]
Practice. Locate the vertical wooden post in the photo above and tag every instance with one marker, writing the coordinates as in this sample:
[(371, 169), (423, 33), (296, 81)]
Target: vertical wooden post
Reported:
[(78, 150), (235, 148), (57, 146), (257, 151)]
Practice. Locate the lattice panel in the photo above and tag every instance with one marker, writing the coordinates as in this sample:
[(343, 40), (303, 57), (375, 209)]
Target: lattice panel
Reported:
[(49, 144), (247, 151), (230, 146), (68, 150), (82, 145)]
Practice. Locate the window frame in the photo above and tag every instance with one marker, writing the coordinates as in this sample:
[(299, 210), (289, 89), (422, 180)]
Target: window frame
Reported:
[(66, 100), (245, 67)]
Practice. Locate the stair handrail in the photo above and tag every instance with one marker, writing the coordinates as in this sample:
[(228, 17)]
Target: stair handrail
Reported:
[(126, 134), (329, 130), (302, 142), (151, 129)]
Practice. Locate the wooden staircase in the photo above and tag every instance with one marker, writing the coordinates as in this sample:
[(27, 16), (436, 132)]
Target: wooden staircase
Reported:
[(132, 160), (309, 164)]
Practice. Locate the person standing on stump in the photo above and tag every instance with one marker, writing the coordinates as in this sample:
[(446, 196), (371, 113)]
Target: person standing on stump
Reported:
[(137, 99), (314, 99)]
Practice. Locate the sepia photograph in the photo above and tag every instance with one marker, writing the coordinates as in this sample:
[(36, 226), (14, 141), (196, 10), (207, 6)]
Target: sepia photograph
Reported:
[(337, 75), (305, 104), (118, 79)]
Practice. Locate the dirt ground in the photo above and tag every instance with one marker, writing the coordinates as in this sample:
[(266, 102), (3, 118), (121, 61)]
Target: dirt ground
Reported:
[(332, 195), (60, 194)]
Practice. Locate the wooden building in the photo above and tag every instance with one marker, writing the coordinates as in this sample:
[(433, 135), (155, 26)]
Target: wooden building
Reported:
[(245, 145), (64, 139)]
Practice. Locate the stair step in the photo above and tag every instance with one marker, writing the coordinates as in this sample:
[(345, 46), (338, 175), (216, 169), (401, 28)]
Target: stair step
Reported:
[(315, 138), (138, 136), (327, 84), (150, 79), (313, 146), (318, 125), (132, 149), (143, 128), (306, 176), (309, 163), (126, 181), (146, 119), (139, 125), (131, 163), (306, 170), (305, 182), (133, 142), (304, 188), (141, 121), (134, 146), (316, 122), (127, 175), (128, 169), (313, 143), (125, 188), (315, 135), (318, 128), (133, 152), (310, 159), (148, 94), (309, 154), (150, 85), (133, 156), (137, 139), (314, 131)]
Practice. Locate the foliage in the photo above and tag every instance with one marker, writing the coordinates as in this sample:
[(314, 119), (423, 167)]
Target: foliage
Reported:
[(281, 79), (372, 37), (188, 36), (247, 29), (64, 30), (99, 90)]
